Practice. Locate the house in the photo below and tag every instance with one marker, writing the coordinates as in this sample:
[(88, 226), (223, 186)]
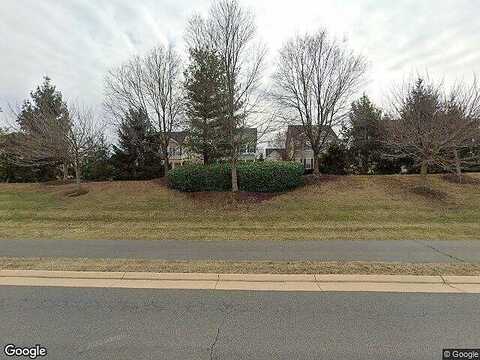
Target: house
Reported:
[(297, 146), (179, 153), (275, 154), (248, 149)]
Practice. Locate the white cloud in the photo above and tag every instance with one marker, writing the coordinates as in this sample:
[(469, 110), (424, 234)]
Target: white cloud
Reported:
[(75, 42)]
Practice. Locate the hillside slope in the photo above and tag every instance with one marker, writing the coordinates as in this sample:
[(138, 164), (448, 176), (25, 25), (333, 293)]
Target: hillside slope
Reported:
[(360, 207)]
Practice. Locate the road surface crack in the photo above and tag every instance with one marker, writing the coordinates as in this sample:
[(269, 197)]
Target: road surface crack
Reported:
[(453, 257), (212, 347)]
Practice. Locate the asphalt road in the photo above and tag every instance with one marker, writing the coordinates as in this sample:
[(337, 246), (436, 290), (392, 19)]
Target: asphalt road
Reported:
[(163, 324), (341, 250)]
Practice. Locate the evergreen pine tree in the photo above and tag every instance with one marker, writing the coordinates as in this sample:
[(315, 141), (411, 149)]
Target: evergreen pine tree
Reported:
[(205, 94), (46, 108), (364, 134), (46, 101), (137, 155), (98, 165)]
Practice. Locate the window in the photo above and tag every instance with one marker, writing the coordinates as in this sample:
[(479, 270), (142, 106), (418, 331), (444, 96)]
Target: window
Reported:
[(248, 149), (175, 151), (308, 163)]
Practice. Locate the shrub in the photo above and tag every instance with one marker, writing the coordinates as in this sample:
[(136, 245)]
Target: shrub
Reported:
[(265, 176), (269, 176), (335, 160), (193, 178)]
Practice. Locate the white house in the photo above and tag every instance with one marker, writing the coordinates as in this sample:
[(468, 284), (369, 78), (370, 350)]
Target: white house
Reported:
[(297, 147), (179, 154)]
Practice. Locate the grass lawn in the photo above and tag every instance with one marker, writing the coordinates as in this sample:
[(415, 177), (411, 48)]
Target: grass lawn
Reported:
[(357, 207), (237, 267)]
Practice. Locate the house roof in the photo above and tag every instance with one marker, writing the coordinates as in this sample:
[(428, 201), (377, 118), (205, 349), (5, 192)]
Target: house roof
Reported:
[(268, 151), (179, 136), (250, 135), (296, 131)]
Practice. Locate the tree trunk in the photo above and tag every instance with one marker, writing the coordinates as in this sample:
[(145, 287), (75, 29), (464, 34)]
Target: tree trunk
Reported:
[(361, 164), (65, 172), (78, 176), (424, 173), (316, 164), (234, 176), (458, 166), (166, 166)]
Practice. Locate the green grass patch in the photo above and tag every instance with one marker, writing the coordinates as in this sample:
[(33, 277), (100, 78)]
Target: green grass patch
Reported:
[(355, 207)]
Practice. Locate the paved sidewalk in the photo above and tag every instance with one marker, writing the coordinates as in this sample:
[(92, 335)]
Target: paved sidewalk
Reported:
[(434, 251), (249, 282)]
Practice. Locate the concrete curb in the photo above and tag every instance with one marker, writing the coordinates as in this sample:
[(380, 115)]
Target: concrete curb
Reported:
[(255, 282)]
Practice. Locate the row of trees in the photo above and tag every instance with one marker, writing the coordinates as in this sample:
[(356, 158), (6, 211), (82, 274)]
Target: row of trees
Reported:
[(52, 140), (435, 127), (427, 127), (48, 135), (221, 92), (218, 94)]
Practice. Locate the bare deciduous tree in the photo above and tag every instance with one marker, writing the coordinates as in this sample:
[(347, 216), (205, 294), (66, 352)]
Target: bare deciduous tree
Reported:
[(83, 137), (431, 126), (463, 109), (55, 142), (313, 84), (279, 139), (152, 85), (230, 31)]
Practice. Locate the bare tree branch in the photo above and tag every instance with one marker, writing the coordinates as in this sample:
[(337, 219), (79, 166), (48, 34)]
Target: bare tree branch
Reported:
[(313, 85), (230, 30), (152, 85), (434, 127)]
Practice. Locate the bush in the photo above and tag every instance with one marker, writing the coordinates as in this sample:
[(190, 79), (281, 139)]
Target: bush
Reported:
[(335, 160), (193, 178), (270, 176), (265, 176)]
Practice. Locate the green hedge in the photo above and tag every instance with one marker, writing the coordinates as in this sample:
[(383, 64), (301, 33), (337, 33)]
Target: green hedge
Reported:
[(193, 178), (270, 176), (266, 176)]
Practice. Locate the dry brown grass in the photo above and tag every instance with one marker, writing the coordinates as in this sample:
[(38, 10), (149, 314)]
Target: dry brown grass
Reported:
[(464, 179), (357, 207), (230, 267)]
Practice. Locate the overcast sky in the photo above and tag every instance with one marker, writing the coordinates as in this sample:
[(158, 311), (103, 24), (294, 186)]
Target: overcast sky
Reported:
[(76, 41)]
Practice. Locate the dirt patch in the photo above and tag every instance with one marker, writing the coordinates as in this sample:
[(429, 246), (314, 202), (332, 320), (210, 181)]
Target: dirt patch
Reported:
[(429, 193), (256, 198), (57, 182), (320, 179), (75, 192), (232, 198), (463, 180), (161, 181)]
